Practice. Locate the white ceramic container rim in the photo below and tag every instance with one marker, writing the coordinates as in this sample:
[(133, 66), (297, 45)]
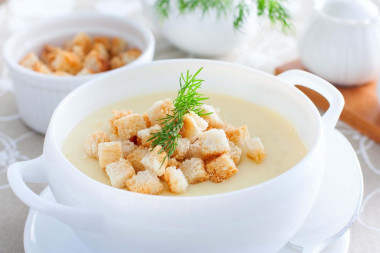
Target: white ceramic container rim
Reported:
[(13, 63), (332, 114)]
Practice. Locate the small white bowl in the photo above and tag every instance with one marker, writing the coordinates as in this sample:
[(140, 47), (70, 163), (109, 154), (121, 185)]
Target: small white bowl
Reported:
[(38, 94)]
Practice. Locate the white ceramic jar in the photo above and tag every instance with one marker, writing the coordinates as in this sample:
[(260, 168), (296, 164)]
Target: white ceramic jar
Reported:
[(261, 218), (38, 94), (341, 42)]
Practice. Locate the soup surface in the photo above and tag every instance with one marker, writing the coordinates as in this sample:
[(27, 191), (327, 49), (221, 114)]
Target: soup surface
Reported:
[(283, 146)]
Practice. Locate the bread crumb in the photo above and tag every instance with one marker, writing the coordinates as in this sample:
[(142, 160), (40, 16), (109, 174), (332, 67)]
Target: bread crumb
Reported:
[(213, 118), (176, 180), (144, 135), (221, 168), (109, 152), (92, 142), (136, 156), (193, 125), (239, 136), (213, 143), (159, 110), (255, 150), (66, 61), (155, 161), (145, 182), (183, 145), (118, 114), (119, 172), (128, 126), (235, 152), (194, 170)]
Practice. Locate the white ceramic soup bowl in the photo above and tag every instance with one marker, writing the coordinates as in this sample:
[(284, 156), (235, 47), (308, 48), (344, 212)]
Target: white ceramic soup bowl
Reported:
[(37, 95), (260, 218)]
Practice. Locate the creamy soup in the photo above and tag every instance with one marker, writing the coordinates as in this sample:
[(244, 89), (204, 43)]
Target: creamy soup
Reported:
[(283, 146)]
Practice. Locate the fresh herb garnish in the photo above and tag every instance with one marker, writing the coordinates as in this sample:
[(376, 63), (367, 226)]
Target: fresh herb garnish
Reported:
[(188, 99), (272, 9)]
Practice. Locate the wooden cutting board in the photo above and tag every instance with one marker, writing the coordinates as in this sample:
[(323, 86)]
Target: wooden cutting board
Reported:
[(361, 110)]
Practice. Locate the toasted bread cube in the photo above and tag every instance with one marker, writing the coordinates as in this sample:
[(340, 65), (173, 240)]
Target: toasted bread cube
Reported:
[(144, 135), (255, 150), (176, 180), (85, 71), (49, 53), (159, 110), (109, 152), (213, 143), (61, 73), (235, 152), (155, 161), (130, 55), (221, 168), (193, 125), (194, 170), (183, 145), (96, 61), (92, 142), (128, 126), (127, 147), (239, 136), (116, 62), (82, 40), (145, 182), (66, 61), (118, 46), (41, 68), (102, 50), (195, 150), (213, 118), (173, 163), (118, 114), (32, 62), (119, 172), (136, 156), (104, 41), (146, 118)]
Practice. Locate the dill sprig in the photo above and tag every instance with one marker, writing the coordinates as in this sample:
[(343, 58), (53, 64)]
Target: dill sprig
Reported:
[(272, 9), (188, 99)]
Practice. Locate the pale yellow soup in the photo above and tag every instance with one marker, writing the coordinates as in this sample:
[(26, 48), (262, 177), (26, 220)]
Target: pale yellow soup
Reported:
[(283, 146)]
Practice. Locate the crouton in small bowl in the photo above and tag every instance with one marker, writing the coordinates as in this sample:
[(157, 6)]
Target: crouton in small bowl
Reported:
[(114, 188), (50, 59)]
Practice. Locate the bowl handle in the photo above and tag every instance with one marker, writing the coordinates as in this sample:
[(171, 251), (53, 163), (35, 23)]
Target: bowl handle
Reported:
[(32, 171), (332, 94)]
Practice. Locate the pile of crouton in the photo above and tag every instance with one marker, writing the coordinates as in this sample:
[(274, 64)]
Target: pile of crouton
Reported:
[(208, 149), (82, 55)]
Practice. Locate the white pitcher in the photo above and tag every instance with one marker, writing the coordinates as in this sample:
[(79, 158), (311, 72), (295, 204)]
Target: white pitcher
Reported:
[(341, 42)]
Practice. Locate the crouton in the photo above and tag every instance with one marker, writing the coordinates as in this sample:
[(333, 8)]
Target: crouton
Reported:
[(173, 163), (66, 61), (102, 50), (159, 110), (213, 143), (155, 161), (109, 152), (104, 41), (194, 170), (176, 180), (239, 136), (194, 150), (128, 126), (221, 168), (42, 68), (92, 142), (117, 114), (145, 182), (144, 135), (213, 118), (32, 62), (255, 150), (116, 62), (146, 118), (235, 152), (85, 71), (49, 53), (82, 40), (119, 172), (127, 147), (192, 126), (183, 145), (96, 62), (136, 156), (130, 55), (78, 51), (118, 46), (61, 73)]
